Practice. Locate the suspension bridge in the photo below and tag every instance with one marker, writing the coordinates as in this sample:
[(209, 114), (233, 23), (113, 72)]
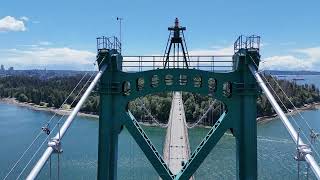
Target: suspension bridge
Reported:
[(234, 80)]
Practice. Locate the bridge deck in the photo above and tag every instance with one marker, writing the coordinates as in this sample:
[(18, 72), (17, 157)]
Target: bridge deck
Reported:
[(176, 148)]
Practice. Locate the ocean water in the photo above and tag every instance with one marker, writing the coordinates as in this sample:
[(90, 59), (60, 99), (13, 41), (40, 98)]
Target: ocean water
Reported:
[(19, 125)]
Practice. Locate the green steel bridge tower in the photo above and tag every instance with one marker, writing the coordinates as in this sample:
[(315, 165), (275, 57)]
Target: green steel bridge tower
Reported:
[(237, 89), (234, 81)]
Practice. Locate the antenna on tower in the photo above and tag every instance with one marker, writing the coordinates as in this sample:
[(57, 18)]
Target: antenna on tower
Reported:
[(176, 38), (120, 32)]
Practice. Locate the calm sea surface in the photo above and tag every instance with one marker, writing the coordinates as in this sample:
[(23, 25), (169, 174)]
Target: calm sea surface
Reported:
[(19, 125)]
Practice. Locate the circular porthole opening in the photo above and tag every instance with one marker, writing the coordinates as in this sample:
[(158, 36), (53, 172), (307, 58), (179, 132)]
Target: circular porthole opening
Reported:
[(140, 84), (183, 80), (212, 85), (197, 81), (227, 89), (155, 81), (126, 88), (168, 79)]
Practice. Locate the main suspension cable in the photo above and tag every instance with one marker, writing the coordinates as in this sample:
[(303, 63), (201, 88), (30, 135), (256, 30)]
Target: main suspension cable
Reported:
[(285, 94), (15, 165), (294, 120), (41, 131), (53, 129)]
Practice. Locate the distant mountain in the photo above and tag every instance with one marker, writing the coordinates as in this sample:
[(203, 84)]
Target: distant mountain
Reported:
[(276, 72)]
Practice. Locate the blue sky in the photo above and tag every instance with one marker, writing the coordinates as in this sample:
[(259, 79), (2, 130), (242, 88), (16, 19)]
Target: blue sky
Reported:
[(61, 34)]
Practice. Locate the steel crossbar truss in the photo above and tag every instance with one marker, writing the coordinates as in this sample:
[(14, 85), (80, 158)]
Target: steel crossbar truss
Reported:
[(196, 158), (147, 147)]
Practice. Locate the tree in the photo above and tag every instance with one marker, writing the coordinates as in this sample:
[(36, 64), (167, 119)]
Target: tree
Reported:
[(22, 98)]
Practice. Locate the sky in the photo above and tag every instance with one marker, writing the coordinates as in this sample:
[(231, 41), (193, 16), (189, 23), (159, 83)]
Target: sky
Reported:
[(62, 34)]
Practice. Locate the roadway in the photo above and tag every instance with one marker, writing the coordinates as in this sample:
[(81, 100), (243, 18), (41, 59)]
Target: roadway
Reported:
[(176, 148)]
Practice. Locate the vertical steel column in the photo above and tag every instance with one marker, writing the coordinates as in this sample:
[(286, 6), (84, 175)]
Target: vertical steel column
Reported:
[(246, 128), (247, 139), (109, 125), (108, 139)]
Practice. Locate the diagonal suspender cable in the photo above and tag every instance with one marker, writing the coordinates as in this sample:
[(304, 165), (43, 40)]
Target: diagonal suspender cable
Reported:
[(57, 123), (291, 102), (68, 96), (294, 120), (41, 162), (285, 94), (38, 135), (23, 154), (150, 115), (294, 135), (203, 116)]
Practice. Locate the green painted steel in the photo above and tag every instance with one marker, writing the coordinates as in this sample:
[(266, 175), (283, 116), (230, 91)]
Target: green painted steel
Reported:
[(109, 124), (148, 148), (236, 89), (204, 148)]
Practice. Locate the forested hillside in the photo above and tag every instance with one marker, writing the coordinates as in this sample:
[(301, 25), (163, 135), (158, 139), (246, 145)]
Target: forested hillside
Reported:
[(52, 93)]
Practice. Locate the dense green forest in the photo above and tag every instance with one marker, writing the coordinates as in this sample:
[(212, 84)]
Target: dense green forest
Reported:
[(52, 93)]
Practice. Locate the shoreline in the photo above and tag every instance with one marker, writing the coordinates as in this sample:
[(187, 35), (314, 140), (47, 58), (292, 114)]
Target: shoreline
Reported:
[(63, 112), (306, 107), (47, 109)]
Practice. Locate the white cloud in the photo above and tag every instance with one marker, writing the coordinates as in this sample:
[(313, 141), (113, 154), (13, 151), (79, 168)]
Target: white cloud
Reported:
[(10, 23), (48, 57), (287, 62), (310, 60), (313, 53), (43, 54), (299, 59), (24, 18)]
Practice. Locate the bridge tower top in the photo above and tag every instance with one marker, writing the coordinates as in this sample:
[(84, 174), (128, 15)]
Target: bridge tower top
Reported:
[(109, 53), (176, 38), (176, 29)]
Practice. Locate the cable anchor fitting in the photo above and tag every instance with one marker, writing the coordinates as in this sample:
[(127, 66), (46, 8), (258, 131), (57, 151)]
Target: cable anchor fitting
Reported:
[(302, 151), (55, 144)]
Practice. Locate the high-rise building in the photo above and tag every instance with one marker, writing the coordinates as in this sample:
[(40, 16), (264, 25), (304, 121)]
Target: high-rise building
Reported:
[(2, 67)]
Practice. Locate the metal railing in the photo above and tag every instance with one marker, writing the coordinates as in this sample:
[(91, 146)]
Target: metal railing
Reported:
[(108, 43), (207, 63), (247, 42)]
